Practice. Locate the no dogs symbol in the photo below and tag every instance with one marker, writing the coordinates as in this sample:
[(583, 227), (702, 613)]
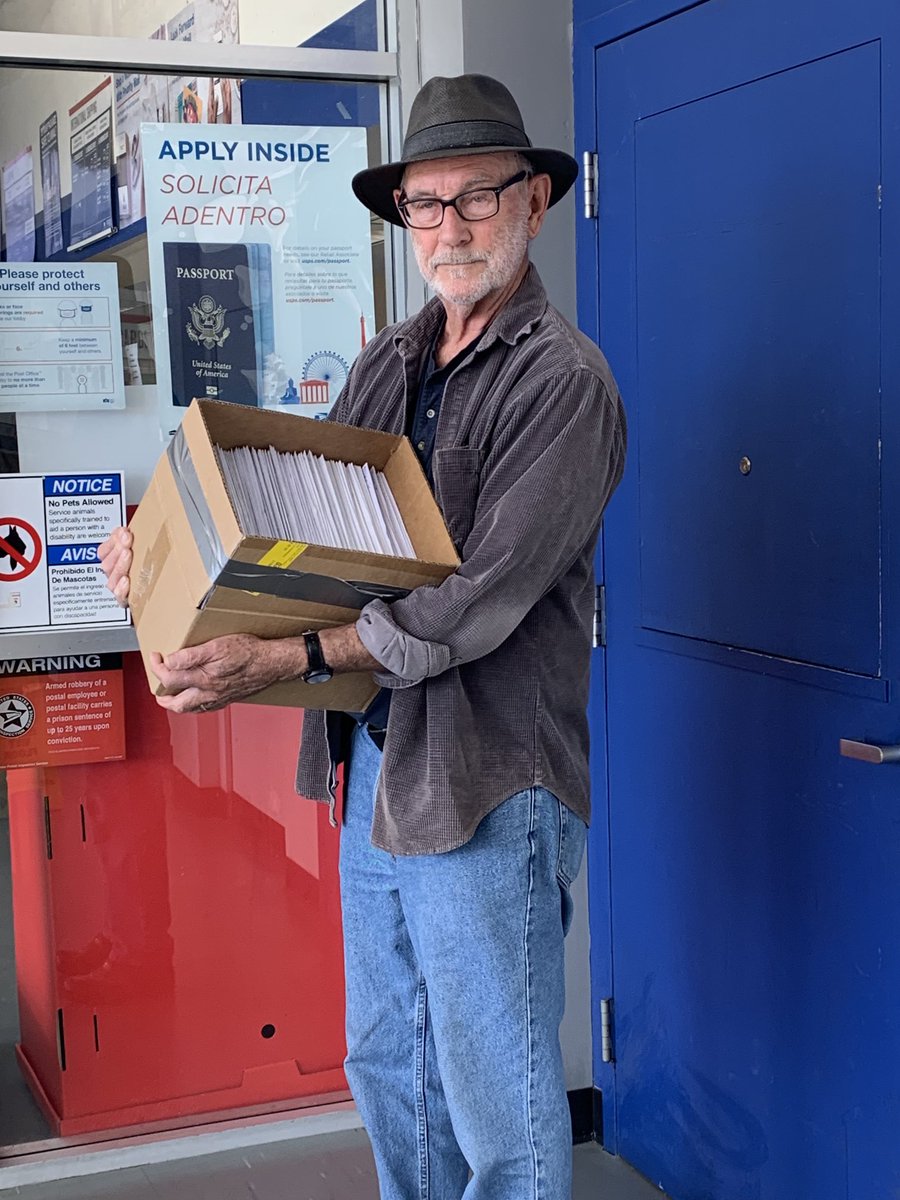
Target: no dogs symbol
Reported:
[(20, 549)]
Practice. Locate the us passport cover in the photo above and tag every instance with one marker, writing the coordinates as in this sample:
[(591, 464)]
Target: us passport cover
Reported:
[(219, 311)]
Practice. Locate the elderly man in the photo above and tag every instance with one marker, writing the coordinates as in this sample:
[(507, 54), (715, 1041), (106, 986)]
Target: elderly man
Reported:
[(467, 783)]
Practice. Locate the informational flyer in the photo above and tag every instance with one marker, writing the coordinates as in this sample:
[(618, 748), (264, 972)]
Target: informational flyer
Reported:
[(91, 141), (260, 264), (205, 99), (51, 527), (60, 337), (61, 709), (129, 167), (155, 98), (18, 207), (51, 188)]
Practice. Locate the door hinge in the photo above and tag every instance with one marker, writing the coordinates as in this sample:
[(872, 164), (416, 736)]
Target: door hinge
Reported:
[(607, 1053), (600, 615), (589, 183)]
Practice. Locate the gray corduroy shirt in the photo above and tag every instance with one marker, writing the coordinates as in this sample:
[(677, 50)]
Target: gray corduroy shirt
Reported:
[(489, 670)]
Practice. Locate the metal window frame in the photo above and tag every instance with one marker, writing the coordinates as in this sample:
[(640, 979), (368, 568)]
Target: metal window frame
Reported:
[(80, 52)]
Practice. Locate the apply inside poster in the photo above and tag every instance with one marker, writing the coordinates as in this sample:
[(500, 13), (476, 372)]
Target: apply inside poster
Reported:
[(260, 264)]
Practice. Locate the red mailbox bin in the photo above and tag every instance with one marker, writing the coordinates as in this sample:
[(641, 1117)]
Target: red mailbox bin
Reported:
[(177, 924)]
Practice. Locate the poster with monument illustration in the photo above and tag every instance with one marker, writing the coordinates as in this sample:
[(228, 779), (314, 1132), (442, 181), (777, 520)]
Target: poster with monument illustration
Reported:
[(260, 264)]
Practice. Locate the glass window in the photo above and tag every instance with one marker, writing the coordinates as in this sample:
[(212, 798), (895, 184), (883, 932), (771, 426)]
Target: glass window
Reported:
[(331, 24), (40, 105)]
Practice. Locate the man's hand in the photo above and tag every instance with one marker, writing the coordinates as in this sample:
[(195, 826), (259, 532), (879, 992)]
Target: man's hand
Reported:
[(230, 668), (115, 562), (225, 670)]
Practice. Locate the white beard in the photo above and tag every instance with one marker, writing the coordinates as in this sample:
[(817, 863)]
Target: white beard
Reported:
[(464, 287)]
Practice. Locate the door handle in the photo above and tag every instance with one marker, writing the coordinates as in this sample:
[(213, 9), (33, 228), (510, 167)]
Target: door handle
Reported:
[(867, 752)]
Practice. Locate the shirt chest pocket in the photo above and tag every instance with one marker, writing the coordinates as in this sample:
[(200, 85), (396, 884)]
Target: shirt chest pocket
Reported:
[(457, 478)]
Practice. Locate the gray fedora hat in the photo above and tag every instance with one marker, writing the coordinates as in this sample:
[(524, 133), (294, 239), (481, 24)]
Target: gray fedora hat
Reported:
[(468, 114)]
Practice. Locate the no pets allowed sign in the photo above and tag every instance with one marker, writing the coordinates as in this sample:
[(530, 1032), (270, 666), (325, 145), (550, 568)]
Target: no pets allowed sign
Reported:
[(50, 531)]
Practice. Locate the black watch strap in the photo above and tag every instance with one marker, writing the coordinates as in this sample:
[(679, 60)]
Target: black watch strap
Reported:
[(315, 656)]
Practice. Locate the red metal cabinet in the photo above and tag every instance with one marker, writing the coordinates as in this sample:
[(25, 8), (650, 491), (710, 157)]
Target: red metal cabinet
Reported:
[(177, 924)]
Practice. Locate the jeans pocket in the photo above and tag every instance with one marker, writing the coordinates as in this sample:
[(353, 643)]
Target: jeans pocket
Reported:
[(572, 836)]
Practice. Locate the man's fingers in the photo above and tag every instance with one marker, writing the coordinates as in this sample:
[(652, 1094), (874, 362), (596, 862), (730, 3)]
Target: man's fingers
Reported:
[(115, 562), (115, 568), (120, 539), (191, 700), (117, 580), (191, 657), (176, 680)]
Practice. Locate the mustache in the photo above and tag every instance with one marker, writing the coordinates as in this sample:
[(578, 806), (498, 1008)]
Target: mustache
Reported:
[(457, 260)]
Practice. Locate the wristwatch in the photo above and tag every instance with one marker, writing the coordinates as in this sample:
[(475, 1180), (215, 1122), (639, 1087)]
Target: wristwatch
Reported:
[(317, 669)]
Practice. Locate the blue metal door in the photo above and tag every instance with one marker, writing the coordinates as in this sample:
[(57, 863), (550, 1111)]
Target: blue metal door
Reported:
[(748, 298)]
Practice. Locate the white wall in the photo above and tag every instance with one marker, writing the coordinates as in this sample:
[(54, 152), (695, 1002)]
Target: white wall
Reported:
[(527, 45)]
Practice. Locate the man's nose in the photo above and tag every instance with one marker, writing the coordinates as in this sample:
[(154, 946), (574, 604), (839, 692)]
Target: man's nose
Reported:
[(454, 231)]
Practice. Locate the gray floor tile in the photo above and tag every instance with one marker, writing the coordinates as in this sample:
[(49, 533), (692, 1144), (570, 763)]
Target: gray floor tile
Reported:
[(117, 1185), (335, 1167), (601, 1176)]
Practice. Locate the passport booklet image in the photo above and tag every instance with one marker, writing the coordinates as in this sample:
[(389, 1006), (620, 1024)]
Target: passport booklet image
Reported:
[(220, 321)]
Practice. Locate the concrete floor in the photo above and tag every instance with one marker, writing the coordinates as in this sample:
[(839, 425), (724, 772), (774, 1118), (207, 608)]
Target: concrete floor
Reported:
[(332, 1167)]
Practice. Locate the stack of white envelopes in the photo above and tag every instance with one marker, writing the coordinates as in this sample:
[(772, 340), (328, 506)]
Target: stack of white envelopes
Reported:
[(304, 497)]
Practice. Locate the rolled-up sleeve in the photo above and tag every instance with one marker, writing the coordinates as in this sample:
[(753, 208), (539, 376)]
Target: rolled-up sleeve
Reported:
[(554, 462)]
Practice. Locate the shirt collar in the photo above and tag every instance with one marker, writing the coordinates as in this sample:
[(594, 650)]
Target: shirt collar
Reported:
[(515, 320)]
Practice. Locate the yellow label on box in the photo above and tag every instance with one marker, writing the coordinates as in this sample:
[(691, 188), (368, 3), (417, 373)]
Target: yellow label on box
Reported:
[(282, 554)]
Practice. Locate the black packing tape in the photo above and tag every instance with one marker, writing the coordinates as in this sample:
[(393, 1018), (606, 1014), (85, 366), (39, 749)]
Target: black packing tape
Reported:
[(304, 585)]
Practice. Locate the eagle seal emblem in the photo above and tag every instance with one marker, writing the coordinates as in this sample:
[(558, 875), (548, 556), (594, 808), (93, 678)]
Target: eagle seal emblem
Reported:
[(207, 327)]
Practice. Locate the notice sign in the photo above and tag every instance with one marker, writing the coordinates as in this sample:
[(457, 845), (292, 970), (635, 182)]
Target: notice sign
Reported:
[(61, 710), (60, 337), (50, 529)]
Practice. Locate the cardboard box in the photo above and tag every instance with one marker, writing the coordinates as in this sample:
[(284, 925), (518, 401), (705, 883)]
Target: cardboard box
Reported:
[(197, 575)]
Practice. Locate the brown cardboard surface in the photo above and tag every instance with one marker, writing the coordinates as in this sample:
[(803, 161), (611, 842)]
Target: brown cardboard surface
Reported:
[(175, 601)]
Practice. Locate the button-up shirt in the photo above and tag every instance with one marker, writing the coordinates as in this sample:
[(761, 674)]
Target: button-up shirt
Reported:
[(421, 427), (489, 671)]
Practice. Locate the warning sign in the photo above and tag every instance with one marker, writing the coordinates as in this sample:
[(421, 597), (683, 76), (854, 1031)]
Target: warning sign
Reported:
[(21, 546), (61, 710), (50, 575)]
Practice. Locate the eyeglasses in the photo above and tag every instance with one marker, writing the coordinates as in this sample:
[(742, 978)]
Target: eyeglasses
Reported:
[(477, 205)]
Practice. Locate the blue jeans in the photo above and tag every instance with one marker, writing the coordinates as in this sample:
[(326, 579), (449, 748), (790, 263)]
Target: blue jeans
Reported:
[(455, 992)]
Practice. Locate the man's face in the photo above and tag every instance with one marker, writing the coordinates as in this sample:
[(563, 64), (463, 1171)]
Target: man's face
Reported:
[(466, 261)]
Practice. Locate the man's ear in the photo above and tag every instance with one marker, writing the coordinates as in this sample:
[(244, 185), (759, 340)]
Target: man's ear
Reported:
[(538, 203)]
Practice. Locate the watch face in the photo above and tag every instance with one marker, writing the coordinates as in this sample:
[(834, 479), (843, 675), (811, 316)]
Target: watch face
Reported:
[(318, 676)]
